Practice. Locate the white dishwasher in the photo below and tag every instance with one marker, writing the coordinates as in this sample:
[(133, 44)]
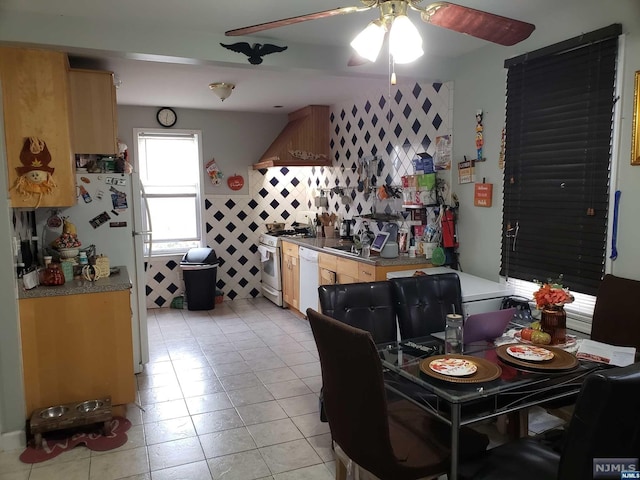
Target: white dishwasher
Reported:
[(308, 279)]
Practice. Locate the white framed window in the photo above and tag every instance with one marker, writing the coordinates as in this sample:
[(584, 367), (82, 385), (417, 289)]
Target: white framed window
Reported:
[(169, 164), (579, 312), (557, 204)]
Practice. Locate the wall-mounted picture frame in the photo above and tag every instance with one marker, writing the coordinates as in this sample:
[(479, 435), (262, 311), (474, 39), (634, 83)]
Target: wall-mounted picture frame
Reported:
[(635, 128)]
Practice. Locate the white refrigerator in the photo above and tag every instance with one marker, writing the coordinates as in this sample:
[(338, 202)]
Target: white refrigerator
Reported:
[(108, 214)]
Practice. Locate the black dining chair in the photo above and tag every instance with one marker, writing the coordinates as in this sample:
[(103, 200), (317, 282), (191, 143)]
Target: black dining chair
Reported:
[(605, 424), (368, 306), (422, 302), (616, 317), (396, 441)]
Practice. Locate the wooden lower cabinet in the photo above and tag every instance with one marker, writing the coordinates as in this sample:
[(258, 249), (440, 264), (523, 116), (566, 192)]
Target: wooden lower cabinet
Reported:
[(290, 275), (327, 277), (77, 347), (326, 269)]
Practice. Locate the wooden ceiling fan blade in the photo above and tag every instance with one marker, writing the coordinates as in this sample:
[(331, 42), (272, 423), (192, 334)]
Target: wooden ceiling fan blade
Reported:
[(293, 20), (487, 26)]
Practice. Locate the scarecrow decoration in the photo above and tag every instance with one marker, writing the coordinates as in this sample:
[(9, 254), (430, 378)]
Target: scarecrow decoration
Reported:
[(479, 136), (35, 176)]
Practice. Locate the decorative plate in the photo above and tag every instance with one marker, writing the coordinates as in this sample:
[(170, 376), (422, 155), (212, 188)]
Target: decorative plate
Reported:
[(530, 353), (455, 367), (486, 370), (570, 341), (561, 361)]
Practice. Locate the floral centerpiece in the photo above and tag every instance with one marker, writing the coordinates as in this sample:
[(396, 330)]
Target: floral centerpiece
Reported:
[(552, 294), (551, 298)]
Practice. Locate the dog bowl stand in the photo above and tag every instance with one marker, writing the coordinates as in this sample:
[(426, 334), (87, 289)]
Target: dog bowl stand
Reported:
[(73, 415)]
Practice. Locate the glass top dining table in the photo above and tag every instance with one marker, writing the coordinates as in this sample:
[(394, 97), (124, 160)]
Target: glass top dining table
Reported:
[(463, 400)]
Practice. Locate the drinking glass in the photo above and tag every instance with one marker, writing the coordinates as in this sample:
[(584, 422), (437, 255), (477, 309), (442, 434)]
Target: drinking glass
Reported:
[(453, 339)]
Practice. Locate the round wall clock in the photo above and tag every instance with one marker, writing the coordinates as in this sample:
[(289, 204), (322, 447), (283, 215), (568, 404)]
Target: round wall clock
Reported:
[(166, 117)]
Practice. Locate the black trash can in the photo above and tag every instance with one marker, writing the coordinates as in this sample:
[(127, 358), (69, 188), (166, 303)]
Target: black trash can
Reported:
[(200, 266)]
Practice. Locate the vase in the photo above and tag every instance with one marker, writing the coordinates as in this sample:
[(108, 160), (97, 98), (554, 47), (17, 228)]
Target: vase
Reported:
[(553, 321)]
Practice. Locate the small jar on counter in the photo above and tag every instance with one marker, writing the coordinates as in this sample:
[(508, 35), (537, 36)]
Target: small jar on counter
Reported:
[(82, 258), (52, 275)]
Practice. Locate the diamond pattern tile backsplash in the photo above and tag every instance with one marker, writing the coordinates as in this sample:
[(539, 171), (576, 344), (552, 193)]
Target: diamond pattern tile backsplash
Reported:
[(388, 130)]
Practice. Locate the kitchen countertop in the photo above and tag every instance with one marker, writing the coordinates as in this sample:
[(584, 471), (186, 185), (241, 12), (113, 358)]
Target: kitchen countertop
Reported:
[(113, 283), (318, 243)]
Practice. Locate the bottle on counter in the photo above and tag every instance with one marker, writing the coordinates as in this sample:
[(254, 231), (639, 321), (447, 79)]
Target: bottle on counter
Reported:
[(82, 258), (366, 247)]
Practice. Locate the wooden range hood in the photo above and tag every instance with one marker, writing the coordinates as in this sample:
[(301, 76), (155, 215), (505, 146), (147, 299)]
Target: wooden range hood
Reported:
[(303, 142)]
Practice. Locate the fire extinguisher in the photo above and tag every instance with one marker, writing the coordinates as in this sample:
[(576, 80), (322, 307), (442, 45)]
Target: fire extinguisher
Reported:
[(449, 237)]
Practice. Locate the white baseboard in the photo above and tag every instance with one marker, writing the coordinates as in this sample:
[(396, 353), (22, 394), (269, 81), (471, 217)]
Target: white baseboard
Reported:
[(13, 441)]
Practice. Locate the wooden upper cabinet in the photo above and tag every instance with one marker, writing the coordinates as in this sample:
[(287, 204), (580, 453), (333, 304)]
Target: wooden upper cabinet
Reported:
[(35, 96), (93, 112)]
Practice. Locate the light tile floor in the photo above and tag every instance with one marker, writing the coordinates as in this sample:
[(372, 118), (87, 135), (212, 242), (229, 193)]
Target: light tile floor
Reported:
[(230, 393)]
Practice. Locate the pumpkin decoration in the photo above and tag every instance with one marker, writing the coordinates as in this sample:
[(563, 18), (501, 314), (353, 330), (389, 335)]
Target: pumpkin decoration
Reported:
[(235, 182)]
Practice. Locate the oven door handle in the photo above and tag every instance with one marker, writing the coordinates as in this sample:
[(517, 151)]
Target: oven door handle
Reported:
[(266, 252)]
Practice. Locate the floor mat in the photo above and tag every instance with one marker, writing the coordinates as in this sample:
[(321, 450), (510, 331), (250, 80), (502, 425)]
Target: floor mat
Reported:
[(54, 443)]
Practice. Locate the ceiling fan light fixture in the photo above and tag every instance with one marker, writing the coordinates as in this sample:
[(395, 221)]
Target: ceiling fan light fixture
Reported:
[(368, 42), (222, 89), (405, 43)]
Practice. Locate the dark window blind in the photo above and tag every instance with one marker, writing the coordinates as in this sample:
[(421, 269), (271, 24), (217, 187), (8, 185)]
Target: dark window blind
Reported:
[(558, 152)]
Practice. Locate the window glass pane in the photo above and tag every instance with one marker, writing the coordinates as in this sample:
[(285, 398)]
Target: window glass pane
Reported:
[(173, 246), (170, 161), (169, 168), (164, 190), (579, 312), (171, 218), (559, 122)]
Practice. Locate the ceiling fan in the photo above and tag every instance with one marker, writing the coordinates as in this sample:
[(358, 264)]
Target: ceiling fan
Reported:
[(484, 25)]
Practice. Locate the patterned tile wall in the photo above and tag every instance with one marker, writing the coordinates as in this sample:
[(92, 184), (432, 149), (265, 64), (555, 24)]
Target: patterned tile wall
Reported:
[(393, 129)]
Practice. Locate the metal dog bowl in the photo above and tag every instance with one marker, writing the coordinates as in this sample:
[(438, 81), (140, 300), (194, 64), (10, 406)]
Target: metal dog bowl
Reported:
[(54, 412), (89, 406)]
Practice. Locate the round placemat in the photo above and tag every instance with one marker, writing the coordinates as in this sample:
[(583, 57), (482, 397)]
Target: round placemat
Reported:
[(486, 372), (561, 360)]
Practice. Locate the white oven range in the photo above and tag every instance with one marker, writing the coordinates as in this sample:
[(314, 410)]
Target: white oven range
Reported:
[(270, 251)]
